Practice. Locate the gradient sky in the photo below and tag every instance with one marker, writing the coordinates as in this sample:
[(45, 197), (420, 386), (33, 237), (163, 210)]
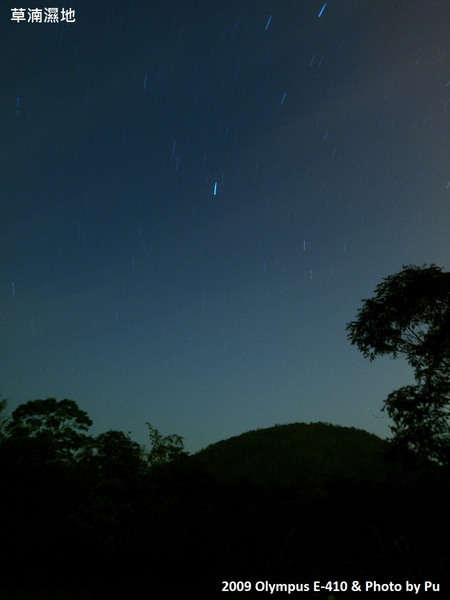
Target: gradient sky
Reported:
[(196, 196)]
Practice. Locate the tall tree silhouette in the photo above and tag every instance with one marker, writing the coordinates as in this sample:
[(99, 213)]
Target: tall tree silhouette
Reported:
[(60, 424), (409, 316)]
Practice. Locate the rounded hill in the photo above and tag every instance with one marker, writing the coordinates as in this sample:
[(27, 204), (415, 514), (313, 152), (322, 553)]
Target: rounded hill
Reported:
[(296, 453)]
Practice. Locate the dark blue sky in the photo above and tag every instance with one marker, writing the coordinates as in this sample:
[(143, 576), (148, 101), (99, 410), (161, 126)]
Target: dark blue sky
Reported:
[(195, 197)]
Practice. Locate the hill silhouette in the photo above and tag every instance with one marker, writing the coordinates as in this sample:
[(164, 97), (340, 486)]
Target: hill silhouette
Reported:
[(299, 500), (312, 454)]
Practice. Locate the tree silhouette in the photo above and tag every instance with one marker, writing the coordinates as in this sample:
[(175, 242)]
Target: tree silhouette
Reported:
[(164, 449), (59, 424), (3, 417), (113, 455), (410, 316)]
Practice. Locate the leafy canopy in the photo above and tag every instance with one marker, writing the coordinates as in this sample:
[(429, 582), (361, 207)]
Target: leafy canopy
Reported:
[(3, 417), (61, 423), (409, 316), (164, 449)]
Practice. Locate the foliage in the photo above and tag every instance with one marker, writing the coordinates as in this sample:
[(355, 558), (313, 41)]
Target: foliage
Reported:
[(421, 419), (61, 424), (164, 449), (115, 452), (3, 418), (410, 316), (115, 517)]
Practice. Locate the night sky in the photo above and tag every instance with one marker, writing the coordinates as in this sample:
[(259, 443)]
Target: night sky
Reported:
[(196, 196)]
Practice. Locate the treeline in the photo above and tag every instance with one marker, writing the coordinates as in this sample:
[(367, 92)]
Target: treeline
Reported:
[(82, 510), (77, 508)]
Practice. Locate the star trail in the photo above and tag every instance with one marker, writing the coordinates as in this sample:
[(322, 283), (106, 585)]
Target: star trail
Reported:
[(195, 199)]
